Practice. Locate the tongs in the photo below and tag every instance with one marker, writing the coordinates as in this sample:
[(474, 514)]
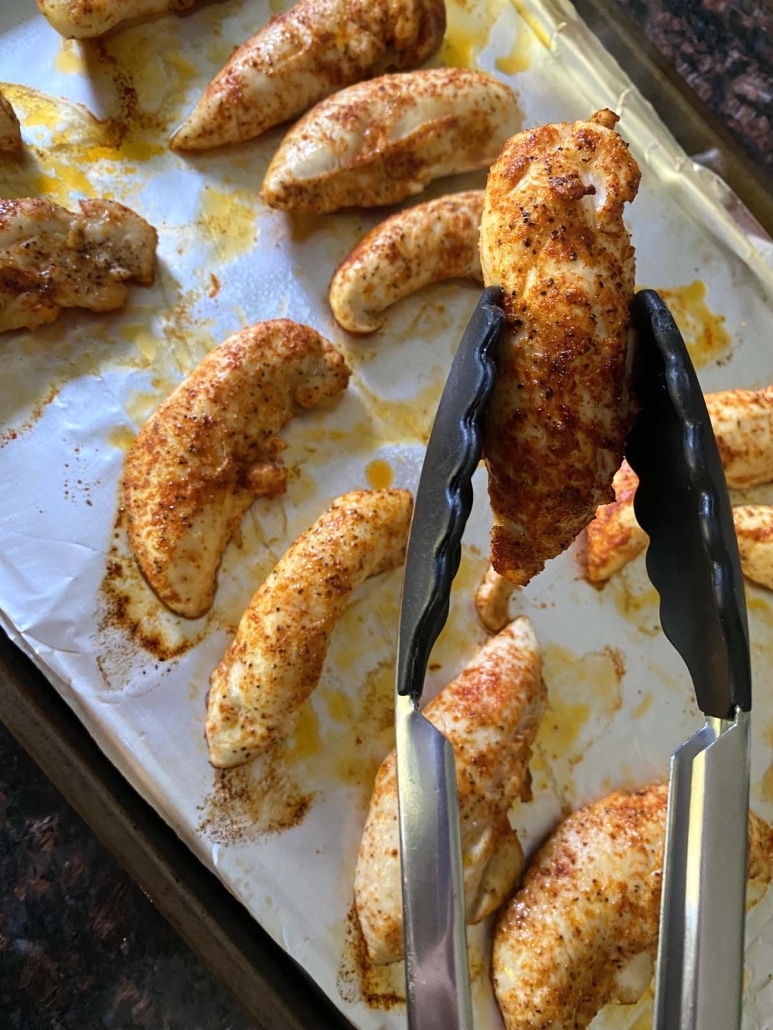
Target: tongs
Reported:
[(437, 974), (693, 562)]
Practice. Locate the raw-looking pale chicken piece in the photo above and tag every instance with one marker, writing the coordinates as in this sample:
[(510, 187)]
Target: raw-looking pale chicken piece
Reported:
[(381, 141), (212, 447), (82, 19), (51, 258), (276, 659), (552, 236), (303, 55), (492, 600), (10, 130), (421, 245), (490, 714), (585, 920)]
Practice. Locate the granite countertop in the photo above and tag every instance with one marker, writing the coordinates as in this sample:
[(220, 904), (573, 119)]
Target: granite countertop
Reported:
[(81, 946)]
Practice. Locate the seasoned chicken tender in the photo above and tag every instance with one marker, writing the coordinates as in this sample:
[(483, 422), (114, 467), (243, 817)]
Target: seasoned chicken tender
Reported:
[(10, 130), (552, 236), (490, 714), (588, 906), (276, 658), (614, 537), (421, 245), (742, 421), (303, 55), (381, 141), (492, 600), (81, 19), (754, 532), (212, 447), (743, 425), (51, 258)]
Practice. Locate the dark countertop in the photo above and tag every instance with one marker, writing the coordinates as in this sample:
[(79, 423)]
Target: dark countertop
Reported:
[(81, 946)]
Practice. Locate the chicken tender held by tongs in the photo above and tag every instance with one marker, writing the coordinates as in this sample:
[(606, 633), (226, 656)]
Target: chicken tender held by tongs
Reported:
[(553, 238), (303, 55)]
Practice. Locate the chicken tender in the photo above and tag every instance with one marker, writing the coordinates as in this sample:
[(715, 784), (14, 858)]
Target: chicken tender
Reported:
[(315, 48), (754, 532), (51, 258), (614, 537), (743, 425), (82, 19), (421, 245), (490, 714), (552, 236), (742, 421), (212, 447), (589, 905), (492, 600), (383, 140), (10, 130), (275, 661)]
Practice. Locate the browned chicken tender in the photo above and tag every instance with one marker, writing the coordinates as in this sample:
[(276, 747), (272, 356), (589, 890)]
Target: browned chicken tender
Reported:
[(754, 532), (10, 130), (212, 447), (51, 258), (303, 55), (588, 906), (83, 19), (490, 713), (381, 141), (492, 600), (742, 421), (553, 237), (421, 245), (614, 537), (276, 659)]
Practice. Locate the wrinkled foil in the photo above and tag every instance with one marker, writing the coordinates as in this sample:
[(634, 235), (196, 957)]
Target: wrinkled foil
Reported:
[(283, 836)]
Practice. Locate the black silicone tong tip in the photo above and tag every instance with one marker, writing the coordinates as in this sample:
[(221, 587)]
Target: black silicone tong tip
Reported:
[(683, 504), (444, 495)]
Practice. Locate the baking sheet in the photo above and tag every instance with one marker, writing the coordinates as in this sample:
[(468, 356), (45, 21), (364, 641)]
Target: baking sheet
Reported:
[(73, 394)]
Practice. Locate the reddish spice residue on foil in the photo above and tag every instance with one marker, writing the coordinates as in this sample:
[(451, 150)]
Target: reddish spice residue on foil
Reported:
[(359, 979)]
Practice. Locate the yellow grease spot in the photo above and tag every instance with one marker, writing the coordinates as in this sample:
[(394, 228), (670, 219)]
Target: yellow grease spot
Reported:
[(468, 26), (69, 59), (306, 740), (339, 706), (519, 58), (229, 219), (581, 688), (643, 707), (532, 22), (704, 331), (379, 474), (121, 437)]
